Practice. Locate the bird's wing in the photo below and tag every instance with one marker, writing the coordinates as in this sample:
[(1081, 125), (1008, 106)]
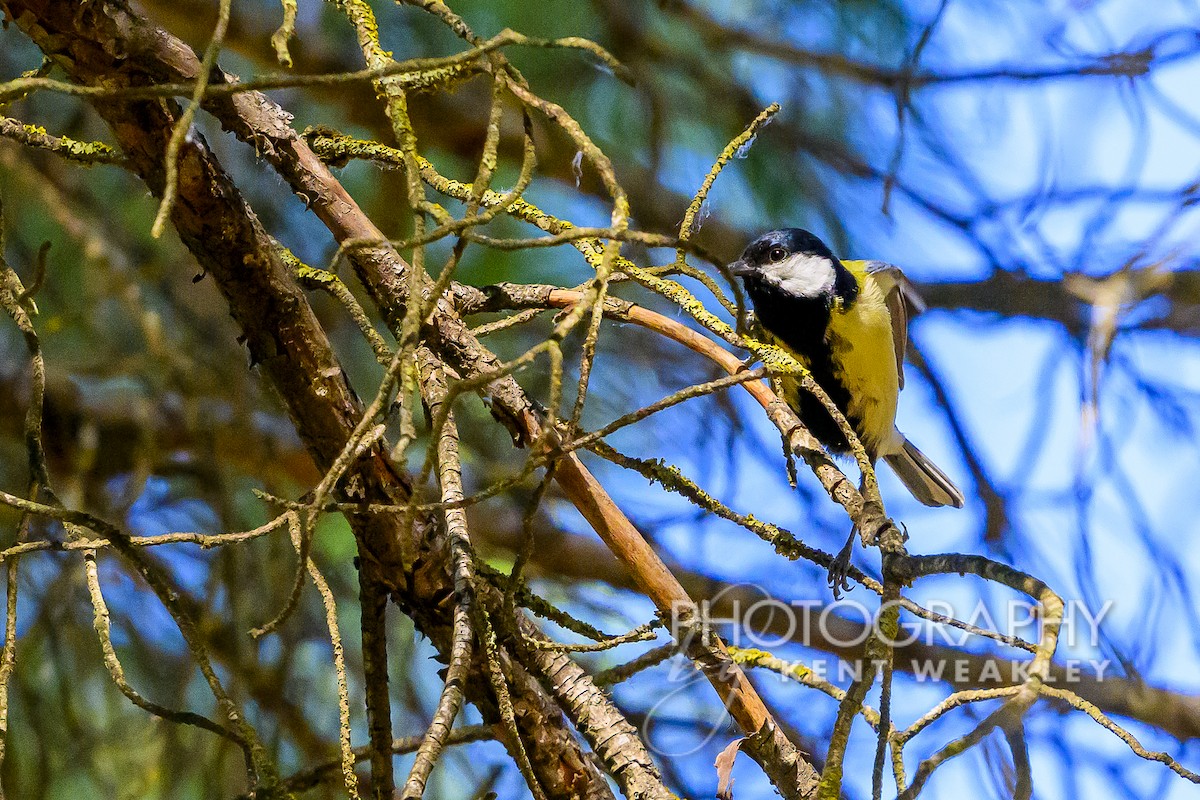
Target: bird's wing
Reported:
[(901, 299)]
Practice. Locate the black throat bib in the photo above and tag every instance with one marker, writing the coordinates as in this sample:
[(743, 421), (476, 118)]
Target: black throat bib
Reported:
[(802, 323)]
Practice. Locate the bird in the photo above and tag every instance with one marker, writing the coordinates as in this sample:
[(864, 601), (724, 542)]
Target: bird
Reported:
[(847, 323)]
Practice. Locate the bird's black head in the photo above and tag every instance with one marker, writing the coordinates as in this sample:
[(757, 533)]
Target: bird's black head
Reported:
[(793, 262)]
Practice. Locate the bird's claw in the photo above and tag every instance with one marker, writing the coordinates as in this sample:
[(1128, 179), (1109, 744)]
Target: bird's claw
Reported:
[(839, 570)]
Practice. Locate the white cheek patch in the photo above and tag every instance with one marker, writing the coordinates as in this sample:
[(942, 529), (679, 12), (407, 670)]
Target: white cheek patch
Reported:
[(803, 274)]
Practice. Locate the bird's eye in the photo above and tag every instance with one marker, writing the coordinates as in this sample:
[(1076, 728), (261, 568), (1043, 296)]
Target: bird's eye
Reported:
[(777, 254)]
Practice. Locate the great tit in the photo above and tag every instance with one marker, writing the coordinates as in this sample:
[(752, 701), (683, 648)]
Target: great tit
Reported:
[(847, 322)]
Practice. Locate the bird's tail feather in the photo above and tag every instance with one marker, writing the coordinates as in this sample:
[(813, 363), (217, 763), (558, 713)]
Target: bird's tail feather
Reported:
[(923, 478)]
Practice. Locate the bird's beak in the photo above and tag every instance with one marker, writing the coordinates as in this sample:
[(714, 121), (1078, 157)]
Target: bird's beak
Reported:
[(741, 268)]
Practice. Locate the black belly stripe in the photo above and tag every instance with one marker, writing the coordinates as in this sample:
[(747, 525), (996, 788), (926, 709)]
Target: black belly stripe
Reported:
[(801, 323)]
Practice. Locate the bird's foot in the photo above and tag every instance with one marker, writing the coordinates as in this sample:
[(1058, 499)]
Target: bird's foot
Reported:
[(839, 570)]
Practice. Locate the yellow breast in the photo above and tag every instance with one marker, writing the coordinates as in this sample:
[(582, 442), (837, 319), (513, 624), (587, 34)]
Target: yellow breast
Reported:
[(864, 356), (861, 349)]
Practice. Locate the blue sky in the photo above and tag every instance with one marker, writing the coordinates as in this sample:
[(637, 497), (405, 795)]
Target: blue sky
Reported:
[(1107, 518), (1095, 517)]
